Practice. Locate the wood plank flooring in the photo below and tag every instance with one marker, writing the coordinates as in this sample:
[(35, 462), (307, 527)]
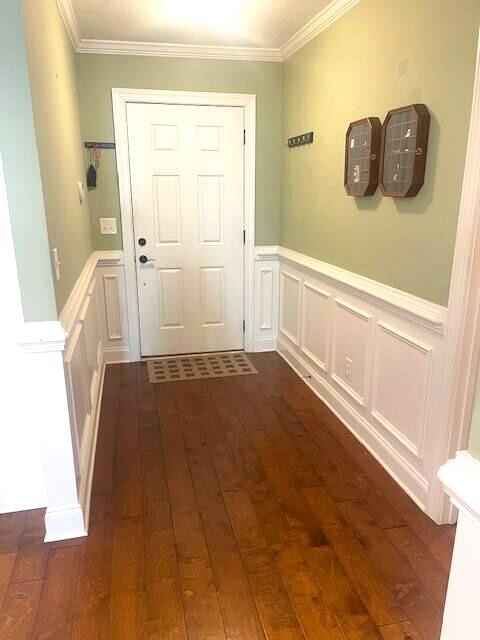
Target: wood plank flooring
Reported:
[(235, 508)]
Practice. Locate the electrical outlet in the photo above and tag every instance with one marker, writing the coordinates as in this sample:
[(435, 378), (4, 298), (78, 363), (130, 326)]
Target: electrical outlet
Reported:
[(348, 368), (108, 226)]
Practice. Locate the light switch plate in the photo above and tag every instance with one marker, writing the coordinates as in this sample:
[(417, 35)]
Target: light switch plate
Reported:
[(108, 226), (81, 192), (56, 264)]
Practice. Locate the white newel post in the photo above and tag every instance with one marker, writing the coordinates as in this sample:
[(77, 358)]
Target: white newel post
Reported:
[(461, 480), (44, 343)]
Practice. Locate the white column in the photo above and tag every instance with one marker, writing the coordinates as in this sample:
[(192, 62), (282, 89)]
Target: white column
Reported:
[(46, 394), (461, 480)]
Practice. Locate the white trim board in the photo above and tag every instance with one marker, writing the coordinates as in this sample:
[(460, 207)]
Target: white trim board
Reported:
[(428, 314), (121, 97), (334, 10), (461, 480), (462, 339)]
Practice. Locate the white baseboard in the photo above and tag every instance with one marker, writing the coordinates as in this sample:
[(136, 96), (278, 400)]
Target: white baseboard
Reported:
[(116, 356), (406, 476), (65, 523), (264, 344)]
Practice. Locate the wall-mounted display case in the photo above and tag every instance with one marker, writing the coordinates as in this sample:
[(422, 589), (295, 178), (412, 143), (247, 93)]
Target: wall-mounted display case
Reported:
[(404, 151), (362, 156)]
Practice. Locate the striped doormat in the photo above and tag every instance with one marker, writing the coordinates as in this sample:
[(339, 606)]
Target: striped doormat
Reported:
[(208, 365)]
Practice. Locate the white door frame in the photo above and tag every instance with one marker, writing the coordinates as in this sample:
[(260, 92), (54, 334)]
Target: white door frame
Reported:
[(120, 98), (462, 340)]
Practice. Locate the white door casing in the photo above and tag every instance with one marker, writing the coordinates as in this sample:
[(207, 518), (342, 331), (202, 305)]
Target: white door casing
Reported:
[(186, 167), (122, 98)]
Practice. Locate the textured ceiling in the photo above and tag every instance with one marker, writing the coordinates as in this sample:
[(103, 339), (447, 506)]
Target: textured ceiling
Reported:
[(240, 23)]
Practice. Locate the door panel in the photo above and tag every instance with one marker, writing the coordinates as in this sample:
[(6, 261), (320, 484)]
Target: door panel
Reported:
[(187, 180)]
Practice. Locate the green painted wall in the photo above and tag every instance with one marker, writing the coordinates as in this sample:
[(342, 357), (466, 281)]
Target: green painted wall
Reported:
[(55, 108), (22, 172), (376, 57), (97, 74)]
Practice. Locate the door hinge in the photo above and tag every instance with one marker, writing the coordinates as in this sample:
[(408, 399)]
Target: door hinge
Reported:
[(244, 137), (244, 236), (244, 326)]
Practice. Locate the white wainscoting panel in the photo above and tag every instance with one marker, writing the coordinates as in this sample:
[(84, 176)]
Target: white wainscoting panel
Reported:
[(401, 386), (316, 325), (374, 356), (290, 300), (95, 321), (112, 301), (351, 349), (266, 299)]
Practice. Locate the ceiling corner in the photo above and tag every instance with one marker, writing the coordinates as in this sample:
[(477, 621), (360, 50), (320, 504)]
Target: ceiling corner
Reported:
[(317, 24), (70, 21)]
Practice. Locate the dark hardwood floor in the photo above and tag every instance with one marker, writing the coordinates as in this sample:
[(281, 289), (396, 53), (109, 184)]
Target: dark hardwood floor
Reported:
[(234, 508)]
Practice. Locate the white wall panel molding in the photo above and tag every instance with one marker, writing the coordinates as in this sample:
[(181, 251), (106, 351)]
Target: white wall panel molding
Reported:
[(266, 300), (401, 386), (352, 347), (423, 312), (72, 308), (112, 306), (94, 332), (316, 325), (375, 356), (112, 302), (461, 479), (290, 306)]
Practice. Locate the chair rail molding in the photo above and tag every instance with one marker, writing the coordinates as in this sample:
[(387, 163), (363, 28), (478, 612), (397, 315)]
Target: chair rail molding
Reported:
[(461, 479)]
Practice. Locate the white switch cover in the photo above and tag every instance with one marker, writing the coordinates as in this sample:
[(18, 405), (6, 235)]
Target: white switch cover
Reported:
[(81, 192), (108, 226), (56, 264), (348, 368)]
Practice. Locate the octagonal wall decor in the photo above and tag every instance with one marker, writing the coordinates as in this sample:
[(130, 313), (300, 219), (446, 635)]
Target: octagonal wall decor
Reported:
[(404, 151), (362, 156)]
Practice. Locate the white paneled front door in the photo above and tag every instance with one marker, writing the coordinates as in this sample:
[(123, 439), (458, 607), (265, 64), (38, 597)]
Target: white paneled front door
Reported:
[(187, 180)]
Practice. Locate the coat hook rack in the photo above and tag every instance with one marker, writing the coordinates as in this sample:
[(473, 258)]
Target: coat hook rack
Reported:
[(304, 138), (99, 145)]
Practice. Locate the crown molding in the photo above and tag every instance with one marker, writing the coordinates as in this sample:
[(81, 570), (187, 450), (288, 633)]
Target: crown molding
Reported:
[(70, 21), (319, 23), (170, 50)]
